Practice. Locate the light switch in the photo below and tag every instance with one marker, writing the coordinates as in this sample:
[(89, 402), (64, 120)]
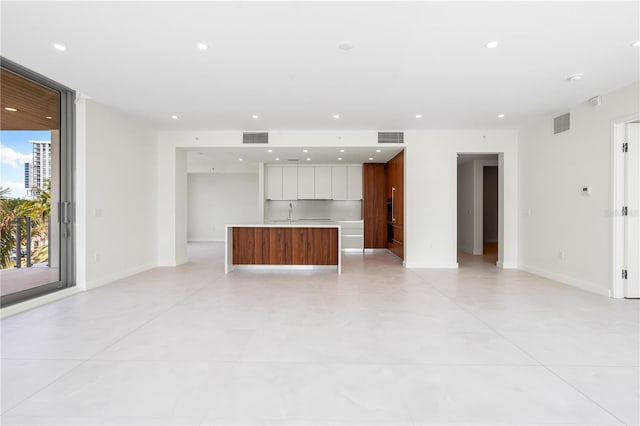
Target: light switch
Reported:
[(97, 212)]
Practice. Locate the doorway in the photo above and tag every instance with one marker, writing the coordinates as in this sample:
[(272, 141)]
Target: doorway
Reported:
[(478, 209), (626, 209), (36, 190)]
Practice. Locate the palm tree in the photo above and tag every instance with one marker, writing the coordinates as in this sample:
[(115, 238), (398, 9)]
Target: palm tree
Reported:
[(37, 209)]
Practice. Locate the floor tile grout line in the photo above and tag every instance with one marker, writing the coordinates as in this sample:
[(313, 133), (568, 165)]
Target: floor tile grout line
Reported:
[(91, 358), (532, 357)]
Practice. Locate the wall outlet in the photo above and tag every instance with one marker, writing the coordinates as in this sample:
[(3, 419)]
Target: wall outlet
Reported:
[(97, 212)]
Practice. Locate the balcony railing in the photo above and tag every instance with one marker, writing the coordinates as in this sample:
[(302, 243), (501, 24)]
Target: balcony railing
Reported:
[(27, 238)]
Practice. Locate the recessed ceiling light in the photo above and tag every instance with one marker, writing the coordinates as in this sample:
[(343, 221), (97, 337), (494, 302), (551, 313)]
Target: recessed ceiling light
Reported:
[(370, 158), (342, 150), (48, 118), (308, 159), (418, 115), (174, 117), (240, 159), (500, 115), (575, 77), (60, 47), (345, 45), (255, 117), (269, 150), (305, 150), (492, 44), (378, 150), (339, 158), (10, 109), (277, 159), (336, 116), (202, 46), (636, 44)]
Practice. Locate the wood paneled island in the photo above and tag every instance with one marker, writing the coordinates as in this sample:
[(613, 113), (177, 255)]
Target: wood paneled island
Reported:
[(282, 246)]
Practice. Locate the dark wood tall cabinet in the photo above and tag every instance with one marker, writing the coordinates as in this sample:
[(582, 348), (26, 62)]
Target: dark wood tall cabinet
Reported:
[(374, 205), (383, 205), (395, 195)]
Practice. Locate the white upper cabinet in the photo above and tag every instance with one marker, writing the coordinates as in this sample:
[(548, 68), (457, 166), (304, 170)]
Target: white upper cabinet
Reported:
[(339, 182), (313, 182), (273, 190), (322, 182), (289, 183), (306, 183), (354, 183)]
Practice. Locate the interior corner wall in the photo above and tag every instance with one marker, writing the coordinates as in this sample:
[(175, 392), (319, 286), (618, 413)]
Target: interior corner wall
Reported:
[(465, 206), (218, 199), (118, 194), (555, 216)]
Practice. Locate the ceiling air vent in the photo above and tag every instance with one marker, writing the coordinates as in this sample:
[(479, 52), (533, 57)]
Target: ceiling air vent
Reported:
[(255, 137), (390, 137), (561, 123)]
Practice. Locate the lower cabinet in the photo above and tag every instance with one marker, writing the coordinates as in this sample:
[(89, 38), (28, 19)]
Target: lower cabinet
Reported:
[(285, 246), (352, 235)]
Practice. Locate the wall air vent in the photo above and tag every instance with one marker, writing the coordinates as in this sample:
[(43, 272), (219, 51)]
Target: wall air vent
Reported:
[(293, 160), (561, 123), (390, 137), (255, 137)]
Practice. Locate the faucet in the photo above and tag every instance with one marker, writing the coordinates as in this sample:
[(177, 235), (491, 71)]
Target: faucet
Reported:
[(290, 211)]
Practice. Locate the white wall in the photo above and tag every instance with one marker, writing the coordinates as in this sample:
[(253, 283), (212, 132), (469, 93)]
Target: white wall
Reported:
[(465, 206), (430, 194), (117, 195), (217, 199), (430, 186), (555, 216)]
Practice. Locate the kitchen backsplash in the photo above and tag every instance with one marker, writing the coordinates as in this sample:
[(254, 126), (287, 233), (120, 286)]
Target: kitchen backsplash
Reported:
[(313, 209)]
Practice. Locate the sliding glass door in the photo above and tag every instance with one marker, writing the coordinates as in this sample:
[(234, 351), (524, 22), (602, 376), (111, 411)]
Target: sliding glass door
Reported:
[(36, 185)]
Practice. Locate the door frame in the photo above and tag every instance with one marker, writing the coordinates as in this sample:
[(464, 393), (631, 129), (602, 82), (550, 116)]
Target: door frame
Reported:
[(616, 285), (478, 201), (67, 139)]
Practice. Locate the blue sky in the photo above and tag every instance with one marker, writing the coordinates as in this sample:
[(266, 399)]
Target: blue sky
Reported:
[(15, 150)]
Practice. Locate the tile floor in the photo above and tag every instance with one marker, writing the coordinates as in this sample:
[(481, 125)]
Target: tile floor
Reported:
[(377, 345)]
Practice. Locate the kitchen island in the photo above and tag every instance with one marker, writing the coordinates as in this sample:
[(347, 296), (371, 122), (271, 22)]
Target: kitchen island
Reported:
[(284, 245)]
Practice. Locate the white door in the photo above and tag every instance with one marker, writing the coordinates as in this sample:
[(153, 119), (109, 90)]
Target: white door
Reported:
[(632, 203), (339, 182), (355, 183), (289, 183), (274, 183), (323, 183), (306, 183)]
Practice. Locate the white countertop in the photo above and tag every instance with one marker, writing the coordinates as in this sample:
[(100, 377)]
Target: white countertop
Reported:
[(287, 224), (312, 221)]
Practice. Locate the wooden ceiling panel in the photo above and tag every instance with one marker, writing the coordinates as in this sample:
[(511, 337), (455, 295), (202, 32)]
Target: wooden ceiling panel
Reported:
[(33, 102)]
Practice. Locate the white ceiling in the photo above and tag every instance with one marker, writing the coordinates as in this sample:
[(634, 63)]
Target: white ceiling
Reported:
[(227, 160), (282, 61)]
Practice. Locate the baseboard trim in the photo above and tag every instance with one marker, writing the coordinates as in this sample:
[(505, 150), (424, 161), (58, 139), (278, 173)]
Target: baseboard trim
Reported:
[(565, 279), (118, 276)]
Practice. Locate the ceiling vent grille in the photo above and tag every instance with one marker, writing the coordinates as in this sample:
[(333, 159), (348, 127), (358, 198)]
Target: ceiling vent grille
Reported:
[(255, 137), (561, 123), (390, 137)]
